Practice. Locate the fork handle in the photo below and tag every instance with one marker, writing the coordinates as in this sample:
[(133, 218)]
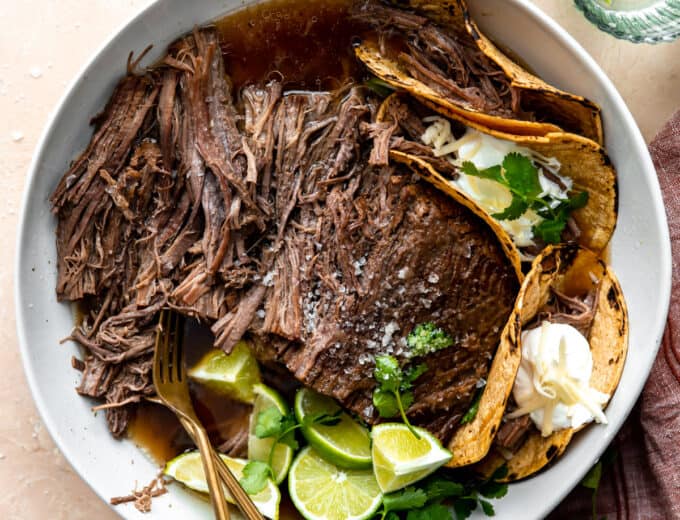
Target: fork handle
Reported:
[(241, 498), (209, 466)]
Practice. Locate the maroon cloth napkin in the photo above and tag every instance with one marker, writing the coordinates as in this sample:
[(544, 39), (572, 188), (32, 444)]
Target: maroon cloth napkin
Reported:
[(644, 480)]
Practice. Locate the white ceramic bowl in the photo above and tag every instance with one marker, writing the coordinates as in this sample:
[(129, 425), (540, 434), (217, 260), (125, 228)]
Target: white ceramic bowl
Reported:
[(640, 253)]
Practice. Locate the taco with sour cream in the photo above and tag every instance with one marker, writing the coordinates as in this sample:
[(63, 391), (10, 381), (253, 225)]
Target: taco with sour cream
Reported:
[(571, 325)]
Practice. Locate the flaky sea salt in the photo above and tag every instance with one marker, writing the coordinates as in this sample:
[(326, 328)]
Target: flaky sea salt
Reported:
[(390, 329)]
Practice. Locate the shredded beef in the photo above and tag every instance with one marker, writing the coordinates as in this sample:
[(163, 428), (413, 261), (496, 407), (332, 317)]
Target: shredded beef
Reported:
[(448, 62), (577, 311), (268, 214), (513, 432)]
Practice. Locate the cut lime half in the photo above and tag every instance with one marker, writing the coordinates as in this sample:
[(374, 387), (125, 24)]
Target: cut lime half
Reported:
[(346, 444), (258, 449), (230, 375), (188, 469), (400, 458), (322, 491)]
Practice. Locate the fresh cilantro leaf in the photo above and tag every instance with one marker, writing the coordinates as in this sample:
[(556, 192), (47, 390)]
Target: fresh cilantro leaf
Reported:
[(474, 407), (521, 175), (385, 403), (289, 440), (592, 478), (426, 338), (411, 374), (431, 512), (493, 173), (406, 499), (255, 475), (592, 481), (391, 515), (464, 507), (406, 399), (380, 87), (579, 200), (499, 473), (392, 381), (487, 507), (515, 210), (550, 231), (388, 373), (439, 488), (493, 489), (269, 423)]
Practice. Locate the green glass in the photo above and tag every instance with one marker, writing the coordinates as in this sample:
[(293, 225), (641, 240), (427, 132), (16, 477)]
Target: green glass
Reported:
[(640, 21)]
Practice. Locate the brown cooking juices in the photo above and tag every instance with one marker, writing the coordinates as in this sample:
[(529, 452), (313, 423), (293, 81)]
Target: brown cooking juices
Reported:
[(306, 45)]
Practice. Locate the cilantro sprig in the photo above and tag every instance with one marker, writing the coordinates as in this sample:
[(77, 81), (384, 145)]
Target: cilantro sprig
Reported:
[(393, 394), (474, 407), (272, 423), (428, 499), (594, 475), (426, 338), (520, 176)]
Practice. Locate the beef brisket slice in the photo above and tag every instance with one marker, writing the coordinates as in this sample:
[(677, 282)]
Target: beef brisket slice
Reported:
[(396, 253)]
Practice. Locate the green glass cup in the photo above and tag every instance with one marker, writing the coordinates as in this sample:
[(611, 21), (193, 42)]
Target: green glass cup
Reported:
[(640, 21)]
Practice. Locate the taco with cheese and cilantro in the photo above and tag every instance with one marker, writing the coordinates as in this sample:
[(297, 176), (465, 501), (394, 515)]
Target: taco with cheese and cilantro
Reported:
[(571, 325), (437, 53), (558, 188)]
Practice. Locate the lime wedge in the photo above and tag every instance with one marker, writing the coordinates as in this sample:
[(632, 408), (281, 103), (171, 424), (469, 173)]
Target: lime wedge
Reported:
[(399, 458), (230, 375), (346, 444), (188, 469), (322, 491), (258, 449)]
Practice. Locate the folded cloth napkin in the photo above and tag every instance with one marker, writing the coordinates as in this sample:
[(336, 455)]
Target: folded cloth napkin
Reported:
[(643, 482)]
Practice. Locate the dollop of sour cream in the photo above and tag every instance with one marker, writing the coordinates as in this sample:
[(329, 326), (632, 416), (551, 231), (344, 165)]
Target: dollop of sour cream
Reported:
[(484, 151), (553, 380)]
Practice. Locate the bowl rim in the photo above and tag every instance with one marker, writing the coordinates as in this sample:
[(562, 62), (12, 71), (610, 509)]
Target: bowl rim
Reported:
[(528, 9)]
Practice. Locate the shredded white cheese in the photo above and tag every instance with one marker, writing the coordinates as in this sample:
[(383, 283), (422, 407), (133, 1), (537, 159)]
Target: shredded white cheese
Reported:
[(485, 151)]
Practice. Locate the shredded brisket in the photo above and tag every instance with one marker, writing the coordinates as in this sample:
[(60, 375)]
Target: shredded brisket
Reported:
[(268, 214), (577, 311), (450, 63)]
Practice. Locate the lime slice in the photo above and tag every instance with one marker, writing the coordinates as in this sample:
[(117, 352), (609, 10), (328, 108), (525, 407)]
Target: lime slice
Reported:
[(230, 375), (399, 458), (322, 491), (346, 444), (188, 469), (258, 449)]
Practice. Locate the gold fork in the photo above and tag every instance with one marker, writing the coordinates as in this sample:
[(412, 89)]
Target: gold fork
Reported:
[(169, 378)]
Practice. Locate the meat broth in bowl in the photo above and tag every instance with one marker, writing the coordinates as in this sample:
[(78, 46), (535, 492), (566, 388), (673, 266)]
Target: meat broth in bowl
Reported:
[(283, 326)]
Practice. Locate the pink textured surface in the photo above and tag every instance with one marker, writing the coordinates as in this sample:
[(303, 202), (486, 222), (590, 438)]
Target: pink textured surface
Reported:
[(43, 45)]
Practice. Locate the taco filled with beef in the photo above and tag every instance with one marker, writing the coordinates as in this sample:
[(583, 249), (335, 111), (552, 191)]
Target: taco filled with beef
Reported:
[(534, 191), (571, 325), (436, 53)]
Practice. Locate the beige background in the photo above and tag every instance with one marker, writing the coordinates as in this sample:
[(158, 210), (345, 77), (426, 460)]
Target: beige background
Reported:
[(43, 45)]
